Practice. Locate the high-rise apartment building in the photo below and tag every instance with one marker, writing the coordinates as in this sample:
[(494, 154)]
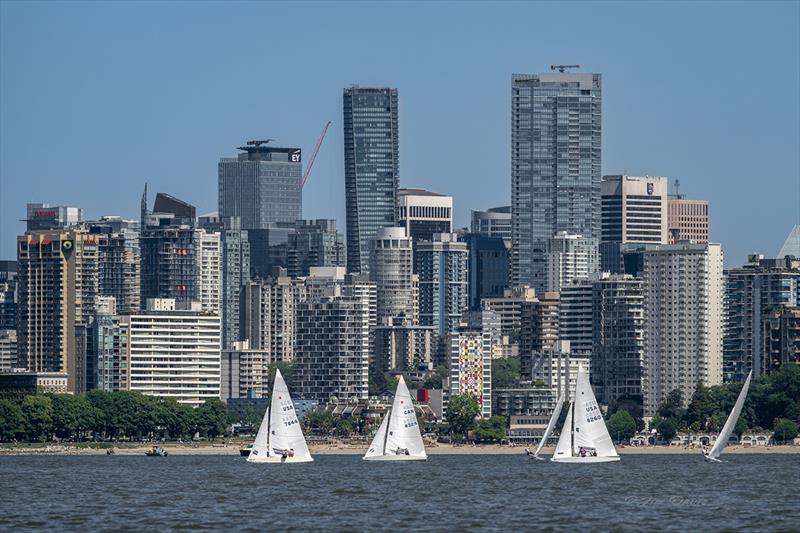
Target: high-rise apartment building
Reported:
[(8, 350), (539, 326), (58, 281), (555, 166), (392, 272), (333, 349), (751, 292), (314, 243), (687, 220), (235, 274), (443, 281), (575, 319), (424, 213), (8, 295), (634, 211), (107, 348), (174, 352), (209, 263), (402, 346), (494, 222), (471, 367), (618, 338), (488, 267), (570, 257), (371, 168), (119, 261), (509, 308), (781, 338), (683, 302), (262, 186)]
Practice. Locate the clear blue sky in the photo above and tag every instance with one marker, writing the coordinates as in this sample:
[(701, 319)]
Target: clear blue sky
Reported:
[(96, 98)]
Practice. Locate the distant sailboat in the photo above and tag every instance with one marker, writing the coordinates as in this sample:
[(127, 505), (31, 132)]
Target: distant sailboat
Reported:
[(730, 424), (398, 437), (280, 439), (550, 427), (584, 437)]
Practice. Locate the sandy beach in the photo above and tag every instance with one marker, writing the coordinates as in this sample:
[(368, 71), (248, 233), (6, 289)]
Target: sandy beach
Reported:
[(350, 449)]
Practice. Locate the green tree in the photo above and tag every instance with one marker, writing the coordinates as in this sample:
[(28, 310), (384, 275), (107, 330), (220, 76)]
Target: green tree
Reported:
[(491, 429), (435, 379), (38, 411), (12, 421), (212, 418), (785, 429), (673, 406), (666, 427), (621, 425), (320, 421), (505, 372), (462, 409), (344, 427)]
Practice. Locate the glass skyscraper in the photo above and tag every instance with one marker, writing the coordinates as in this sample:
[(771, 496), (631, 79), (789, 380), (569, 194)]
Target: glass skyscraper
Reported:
[(262, 186), (371, 168), (555, 165)]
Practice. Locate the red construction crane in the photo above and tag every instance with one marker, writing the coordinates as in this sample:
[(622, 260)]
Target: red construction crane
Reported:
[(314, 154)]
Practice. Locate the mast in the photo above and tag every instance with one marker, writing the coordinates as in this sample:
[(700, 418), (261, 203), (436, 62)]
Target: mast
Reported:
[(572, 430), (388, 424)]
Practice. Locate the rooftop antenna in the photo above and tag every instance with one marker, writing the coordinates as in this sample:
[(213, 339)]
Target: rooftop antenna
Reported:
[(677, 188), (562, 68)]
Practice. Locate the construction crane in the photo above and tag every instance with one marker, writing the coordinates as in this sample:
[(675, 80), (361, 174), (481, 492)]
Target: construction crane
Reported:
[(562, 68), (314, 155)]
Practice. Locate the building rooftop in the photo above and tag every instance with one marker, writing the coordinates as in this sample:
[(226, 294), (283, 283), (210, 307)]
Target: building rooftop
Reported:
[(417, 192)]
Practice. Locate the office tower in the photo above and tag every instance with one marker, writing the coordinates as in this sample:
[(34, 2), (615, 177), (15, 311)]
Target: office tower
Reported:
[(488, 267), (332, 359), (261, 186), (751, 291), (570, 257), (107, 348), (8, 350), (42, 217), (683, 303), (791, 246), (57, 276), (424, 213), (404, 347), (235, 274), (443, 281), (618, 338), (8, 295), (555, 165), (494, 222), (269, 248), (781, 338), (371, 168), (169, 245), (575, 320), (209, 264), (687, 220), (392, 272), (174, 351), (471, 367), (119, 261), (314, 243), (634, 211), (539, 327)]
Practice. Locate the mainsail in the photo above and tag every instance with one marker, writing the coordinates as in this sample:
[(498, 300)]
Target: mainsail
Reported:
[(730, 424), (398, 437)]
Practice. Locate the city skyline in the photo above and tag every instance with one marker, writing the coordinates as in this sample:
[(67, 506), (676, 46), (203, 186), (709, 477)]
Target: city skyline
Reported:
[(178, 135)]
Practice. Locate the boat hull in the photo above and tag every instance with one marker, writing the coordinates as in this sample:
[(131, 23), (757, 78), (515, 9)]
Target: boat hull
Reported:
[(276, 459), (397, 458), (586, 460), (245, 452)]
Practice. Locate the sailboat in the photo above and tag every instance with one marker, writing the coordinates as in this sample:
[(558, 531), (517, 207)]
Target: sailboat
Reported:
[(280, 439), (550, 427), (584, 437), (730, 424), (398, 437)]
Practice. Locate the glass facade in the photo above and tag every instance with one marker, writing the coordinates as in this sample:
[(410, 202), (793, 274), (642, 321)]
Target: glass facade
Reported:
[(555, 165), (371, 168)]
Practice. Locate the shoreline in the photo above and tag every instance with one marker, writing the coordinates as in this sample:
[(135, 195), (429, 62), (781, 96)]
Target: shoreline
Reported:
[(352, 449)]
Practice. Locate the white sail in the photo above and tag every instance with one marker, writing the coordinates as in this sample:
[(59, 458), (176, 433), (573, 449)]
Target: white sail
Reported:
[(376, 448), (590, 428), (564, 446), (261, 444), (550, 425), (285, 442), (730, 424), (403, 440)]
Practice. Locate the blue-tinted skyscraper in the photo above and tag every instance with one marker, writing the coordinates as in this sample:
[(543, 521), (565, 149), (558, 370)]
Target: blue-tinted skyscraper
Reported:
[(555, 165), (371, 168)]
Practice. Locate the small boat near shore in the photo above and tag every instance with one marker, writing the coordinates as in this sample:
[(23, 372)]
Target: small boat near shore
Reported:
[(156, 451)]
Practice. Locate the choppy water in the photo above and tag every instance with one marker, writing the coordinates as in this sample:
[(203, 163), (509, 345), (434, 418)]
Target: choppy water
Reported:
[(448, 493)]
